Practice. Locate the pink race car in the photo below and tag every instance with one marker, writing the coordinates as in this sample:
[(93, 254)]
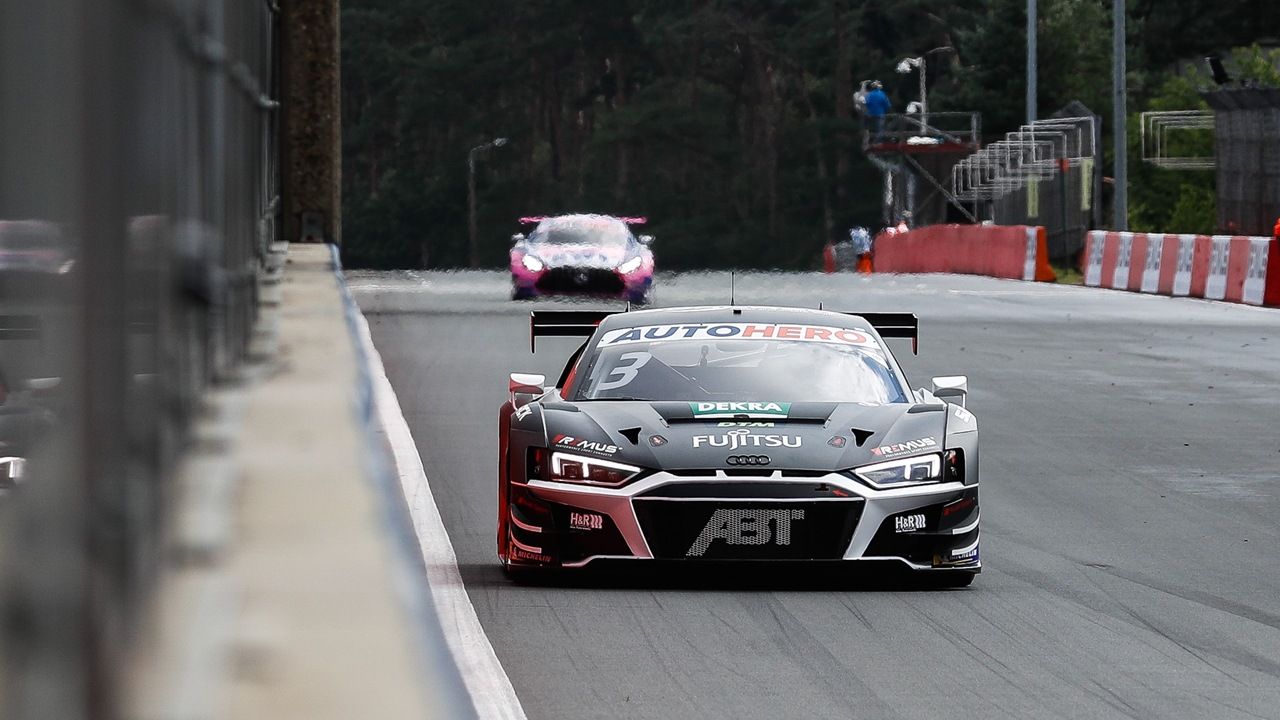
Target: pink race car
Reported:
[(595, 255)]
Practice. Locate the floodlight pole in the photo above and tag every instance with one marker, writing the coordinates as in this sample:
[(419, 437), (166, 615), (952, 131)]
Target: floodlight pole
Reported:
[(924, 98), (1031, 62), (919, 64), (1121, 199)]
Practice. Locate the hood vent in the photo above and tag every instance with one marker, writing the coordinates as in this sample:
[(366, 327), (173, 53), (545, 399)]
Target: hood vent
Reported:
[(861, 436), (632, 434)]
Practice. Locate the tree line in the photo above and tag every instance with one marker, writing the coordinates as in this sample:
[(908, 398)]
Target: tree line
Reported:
[(729, 124)]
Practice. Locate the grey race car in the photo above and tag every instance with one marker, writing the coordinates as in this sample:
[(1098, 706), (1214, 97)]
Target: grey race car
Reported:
[(736, 433)]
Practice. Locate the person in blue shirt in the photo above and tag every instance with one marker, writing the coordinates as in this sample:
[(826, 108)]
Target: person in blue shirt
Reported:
[(877, 105)]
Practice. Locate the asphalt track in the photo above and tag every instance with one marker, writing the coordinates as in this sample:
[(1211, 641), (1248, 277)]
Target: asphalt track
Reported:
[(1130, 491)]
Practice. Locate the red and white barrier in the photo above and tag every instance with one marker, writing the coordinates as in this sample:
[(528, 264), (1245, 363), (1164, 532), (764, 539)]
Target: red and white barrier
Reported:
[(1219, 267), (1016, 252)]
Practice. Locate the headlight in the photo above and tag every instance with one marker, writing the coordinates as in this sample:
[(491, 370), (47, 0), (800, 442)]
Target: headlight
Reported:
[(531, 263), (589, 470), (907, 471), (630, 265)]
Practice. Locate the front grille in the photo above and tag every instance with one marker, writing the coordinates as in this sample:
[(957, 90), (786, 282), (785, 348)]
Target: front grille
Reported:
[(748, 472), (744, 490), (580, 280), (748, 530)]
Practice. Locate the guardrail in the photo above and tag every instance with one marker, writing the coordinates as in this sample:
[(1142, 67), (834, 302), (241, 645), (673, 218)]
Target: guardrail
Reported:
[(921, 131)]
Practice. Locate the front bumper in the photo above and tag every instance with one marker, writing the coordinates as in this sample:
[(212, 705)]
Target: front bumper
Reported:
[(769, 516), (601, 282)]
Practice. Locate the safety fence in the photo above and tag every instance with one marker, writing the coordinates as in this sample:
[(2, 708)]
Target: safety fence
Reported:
[(1045, 173), (1246, 128), (1015, 252), (138, 193), (1220, 267)]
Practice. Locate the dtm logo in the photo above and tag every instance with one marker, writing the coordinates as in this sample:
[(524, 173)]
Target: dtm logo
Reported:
[(748, 460), (748, 526)]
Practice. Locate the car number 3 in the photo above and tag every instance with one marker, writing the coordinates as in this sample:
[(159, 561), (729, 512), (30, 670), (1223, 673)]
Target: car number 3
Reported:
[(625, 371)]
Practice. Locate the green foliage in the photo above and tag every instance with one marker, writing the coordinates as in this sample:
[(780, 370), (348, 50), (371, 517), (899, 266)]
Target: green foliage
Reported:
[(1162, 33), (1180, 201), (727, 122), (1194, 211), (1256, 65), (1184, 201)]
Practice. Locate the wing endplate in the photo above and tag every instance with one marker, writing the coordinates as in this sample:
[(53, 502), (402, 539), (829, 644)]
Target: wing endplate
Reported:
[(894, 325)]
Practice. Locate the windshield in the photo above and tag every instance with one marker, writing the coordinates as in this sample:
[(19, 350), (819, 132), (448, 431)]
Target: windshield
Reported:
[(589, 231), (741, 362)]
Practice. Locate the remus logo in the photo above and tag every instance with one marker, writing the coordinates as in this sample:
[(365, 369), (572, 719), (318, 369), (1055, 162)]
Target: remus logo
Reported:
[(735, 439), (569, 441), (905, 447), (730, 410)]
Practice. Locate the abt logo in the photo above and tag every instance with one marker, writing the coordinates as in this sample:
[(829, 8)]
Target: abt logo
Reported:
[(751, 526)]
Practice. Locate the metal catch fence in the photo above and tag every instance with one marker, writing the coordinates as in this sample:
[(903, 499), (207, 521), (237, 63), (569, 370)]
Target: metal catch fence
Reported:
[(138, 197), (1247, 137), (1044, 173)]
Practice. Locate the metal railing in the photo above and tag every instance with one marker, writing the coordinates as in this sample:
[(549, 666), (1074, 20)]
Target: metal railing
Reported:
[(910, 129), (139, 189)]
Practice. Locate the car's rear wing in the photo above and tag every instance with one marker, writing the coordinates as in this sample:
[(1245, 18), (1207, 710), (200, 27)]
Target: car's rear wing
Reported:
[(894, 325), (628, 219), (564, 323), (582, 323)]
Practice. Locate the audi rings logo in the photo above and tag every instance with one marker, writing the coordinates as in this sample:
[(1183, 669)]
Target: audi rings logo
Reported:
[(748, 460)]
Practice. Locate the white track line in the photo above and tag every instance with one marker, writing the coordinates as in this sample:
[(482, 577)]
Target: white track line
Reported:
[(486, 681)]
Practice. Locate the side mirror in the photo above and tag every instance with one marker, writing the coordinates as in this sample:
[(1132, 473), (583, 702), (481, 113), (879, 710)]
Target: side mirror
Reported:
[(524, 387), (517, 238), (645, 239), (951, 388)]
